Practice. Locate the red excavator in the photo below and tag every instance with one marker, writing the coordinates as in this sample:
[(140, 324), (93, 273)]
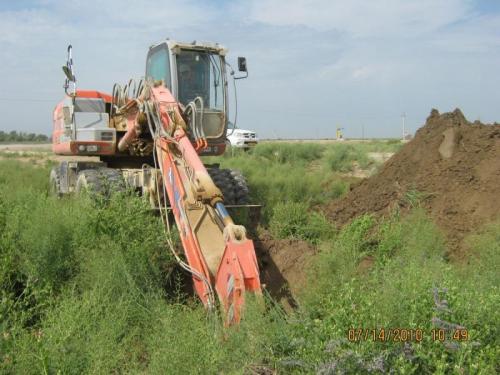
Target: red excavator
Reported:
[(148, 136)]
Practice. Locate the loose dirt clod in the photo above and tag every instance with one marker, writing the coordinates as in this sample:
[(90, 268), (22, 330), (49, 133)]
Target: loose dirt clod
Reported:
[(452, 166)]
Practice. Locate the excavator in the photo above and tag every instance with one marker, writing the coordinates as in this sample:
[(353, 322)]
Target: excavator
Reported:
[(148, 136)]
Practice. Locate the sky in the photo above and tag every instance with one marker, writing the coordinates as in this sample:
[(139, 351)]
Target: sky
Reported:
[(313, 65)]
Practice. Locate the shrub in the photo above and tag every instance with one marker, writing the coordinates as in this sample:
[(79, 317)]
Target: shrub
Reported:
[(294, 220), (282, 152), (410, 286), (273, 182), (84, 288), (341, 157)]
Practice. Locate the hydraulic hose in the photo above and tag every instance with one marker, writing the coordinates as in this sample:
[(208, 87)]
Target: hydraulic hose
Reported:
[(155, 129)]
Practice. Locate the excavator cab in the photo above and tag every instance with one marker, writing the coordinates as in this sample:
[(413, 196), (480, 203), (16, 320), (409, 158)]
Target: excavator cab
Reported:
[(195, 73)]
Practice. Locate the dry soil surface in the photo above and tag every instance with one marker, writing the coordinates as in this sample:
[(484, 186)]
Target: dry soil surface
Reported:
[(452, 164)]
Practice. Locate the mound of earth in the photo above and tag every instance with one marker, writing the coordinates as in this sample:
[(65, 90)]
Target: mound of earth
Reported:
[(451, 164)]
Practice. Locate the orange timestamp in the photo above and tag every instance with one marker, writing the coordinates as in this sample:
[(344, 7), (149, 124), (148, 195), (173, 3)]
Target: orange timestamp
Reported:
[(405, 334)]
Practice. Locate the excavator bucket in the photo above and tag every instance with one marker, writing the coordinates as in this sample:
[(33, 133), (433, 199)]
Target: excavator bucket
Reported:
[(238, 273)]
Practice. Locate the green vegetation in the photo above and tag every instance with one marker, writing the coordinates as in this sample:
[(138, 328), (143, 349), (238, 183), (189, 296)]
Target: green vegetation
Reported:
[(296, 153), (34, 156), (306, 173), (341, 157), (293, 220), (279, 173), (394, 275), (89, 287), (15, 136)]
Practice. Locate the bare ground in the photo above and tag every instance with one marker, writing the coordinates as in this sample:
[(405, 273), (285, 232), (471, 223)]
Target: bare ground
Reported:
[(36, 153), (452, 166)]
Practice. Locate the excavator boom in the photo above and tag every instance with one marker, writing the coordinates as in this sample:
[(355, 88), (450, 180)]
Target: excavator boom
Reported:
[(219, 255)]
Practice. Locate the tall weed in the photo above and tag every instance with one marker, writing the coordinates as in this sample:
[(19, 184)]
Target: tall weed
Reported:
[(84, 288), (293, 220)]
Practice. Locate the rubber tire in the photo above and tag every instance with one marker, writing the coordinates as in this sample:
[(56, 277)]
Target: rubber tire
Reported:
[(89, 181), (55, 182), (113, 180), (100, 181), (232, 184), (241, 190)]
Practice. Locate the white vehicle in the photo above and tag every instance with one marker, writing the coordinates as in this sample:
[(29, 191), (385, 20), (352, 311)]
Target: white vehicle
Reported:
[(242, 138)]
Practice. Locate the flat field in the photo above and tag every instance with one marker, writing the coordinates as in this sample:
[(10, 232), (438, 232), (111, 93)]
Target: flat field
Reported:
[(89, 287)]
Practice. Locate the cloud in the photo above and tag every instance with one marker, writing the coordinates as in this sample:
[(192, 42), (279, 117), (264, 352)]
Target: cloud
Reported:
[(476, 35), (312, 64), (362, 18), (135, 15)]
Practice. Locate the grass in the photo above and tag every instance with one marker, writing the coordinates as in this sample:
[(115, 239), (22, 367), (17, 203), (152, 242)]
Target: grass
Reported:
[(275, 176), (14, 154), (399, 290), (309, 173), (288, 152), (342, 157), (88, 287), (294, 220), (33, 156)]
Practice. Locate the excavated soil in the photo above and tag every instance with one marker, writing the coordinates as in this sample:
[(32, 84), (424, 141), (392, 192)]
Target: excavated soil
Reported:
[(453, 164), (282, 264)]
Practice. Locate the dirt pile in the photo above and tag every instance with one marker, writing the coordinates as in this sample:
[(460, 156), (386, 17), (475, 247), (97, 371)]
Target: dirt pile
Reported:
[(452, 165)]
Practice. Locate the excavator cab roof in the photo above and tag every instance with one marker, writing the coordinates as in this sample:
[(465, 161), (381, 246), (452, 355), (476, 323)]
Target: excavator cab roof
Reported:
[(194, 45)]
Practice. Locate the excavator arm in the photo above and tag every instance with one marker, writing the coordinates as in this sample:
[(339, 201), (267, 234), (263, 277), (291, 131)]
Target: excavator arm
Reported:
[(219, 256)]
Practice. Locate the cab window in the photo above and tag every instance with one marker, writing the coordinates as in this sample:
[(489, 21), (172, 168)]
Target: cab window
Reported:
[(200, 75), (158, 66)]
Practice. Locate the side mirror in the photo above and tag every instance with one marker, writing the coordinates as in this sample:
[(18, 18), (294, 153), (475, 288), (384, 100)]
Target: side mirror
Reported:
[(68, 74), (242, 64)]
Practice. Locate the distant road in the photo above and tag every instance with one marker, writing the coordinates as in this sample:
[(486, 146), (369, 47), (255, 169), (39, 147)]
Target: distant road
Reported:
[(325, 141), (25, 146), (17, 147), (26, 151), (37, 153)]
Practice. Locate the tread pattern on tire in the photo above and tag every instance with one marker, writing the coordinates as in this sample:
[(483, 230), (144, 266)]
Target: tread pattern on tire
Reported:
[(55, 182), (232, 184), (100, 181)]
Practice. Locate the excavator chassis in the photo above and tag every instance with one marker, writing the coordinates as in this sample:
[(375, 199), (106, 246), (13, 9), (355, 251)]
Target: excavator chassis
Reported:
[(145, 182)]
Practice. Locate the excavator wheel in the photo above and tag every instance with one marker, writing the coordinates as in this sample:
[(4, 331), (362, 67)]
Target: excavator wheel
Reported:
[(241, 188), (100, 181), (55, 182), (232, 184), (114, 182)]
